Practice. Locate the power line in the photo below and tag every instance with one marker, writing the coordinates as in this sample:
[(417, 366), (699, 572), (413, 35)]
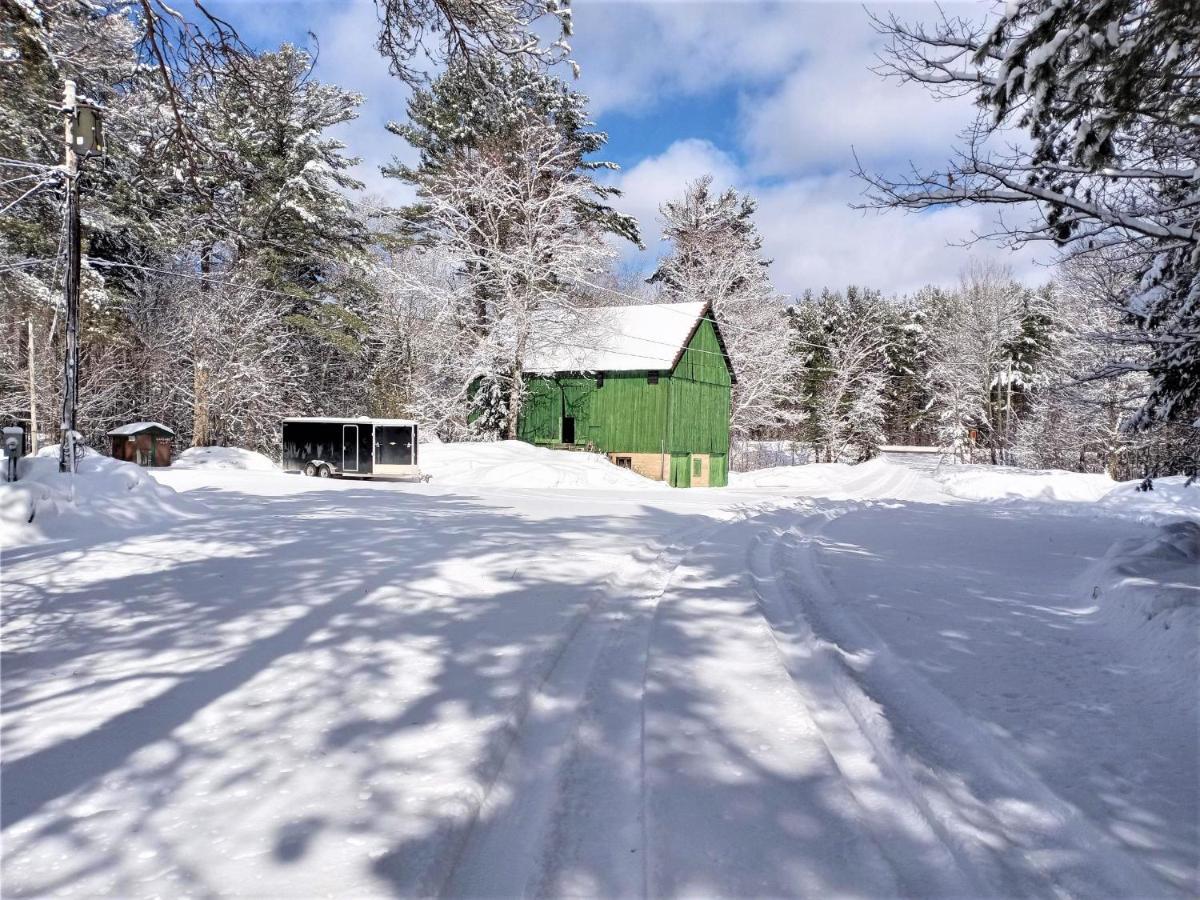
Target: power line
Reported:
[(25, 264), (433, 321), (26, 164), (22, 178), (37, 187)]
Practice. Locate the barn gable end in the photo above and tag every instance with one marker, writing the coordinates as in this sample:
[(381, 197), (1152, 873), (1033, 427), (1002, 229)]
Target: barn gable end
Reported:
[(669, 423)]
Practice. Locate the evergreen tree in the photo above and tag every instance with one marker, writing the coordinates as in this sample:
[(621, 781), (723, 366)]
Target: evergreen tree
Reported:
[(843, 339), (488, 102), (908, 394)]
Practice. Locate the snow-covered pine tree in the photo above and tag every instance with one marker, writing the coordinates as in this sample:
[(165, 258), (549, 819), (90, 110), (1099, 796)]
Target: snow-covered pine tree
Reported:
[(907, 391), (462, 32), (41, 45), (843, 341), (498, 131), (490, 101), (1108, 93), (716, 256)]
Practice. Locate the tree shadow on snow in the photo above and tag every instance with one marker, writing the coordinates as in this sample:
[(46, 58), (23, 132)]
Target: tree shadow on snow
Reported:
[(340, 693)]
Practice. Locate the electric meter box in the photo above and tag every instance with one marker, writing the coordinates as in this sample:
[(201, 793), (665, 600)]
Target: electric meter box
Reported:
[(13, 444)]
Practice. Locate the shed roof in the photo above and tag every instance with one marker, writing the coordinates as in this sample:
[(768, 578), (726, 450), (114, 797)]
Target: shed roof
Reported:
[(138, 428), (618, 339)]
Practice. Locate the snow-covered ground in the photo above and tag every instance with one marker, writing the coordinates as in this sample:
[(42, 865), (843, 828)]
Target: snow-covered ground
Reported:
[(835, 681), (224, 458), (512, 464)]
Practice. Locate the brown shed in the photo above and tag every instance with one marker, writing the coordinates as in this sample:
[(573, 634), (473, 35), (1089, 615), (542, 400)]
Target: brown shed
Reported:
[(144, 443)]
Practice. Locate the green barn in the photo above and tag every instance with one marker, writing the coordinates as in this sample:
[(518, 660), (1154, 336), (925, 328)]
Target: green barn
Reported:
[(649, 386)]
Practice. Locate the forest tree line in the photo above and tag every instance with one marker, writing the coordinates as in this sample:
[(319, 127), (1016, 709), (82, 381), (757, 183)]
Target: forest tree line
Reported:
[(235, 273)]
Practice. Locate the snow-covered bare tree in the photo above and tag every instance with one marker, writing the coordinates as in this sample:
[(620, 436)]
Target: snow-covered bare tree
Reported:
[(716, 256), (1091, 383), (508, 213), (418, 345), (1108, 94), (980, 359), (235, 335)]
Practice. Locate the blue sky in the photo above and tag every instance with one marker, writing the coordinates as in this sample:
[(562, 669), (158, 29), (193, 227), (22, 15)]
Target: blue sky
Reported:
[(768, 97)]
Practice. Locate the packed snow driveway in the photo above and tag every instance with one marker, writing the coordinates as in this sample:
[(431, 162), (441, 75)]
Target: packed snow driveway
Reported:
[(297, 687)]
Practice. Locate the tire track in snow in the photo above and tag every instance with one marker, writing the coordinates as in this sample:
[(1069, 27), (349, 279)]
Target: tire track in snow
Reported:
[(562, 812), (743, 797), (993, 812), (919, 850)]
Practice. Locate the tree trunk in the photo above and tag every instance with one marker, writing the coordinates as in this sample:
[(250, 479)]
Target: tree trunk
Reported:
[(516, 397), (200, 412), (200, 436)]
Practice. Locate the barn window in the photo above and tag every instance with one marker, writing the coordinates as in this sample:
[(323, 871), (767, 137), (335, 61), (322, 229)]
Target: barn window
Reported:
[(652, 378), (697, 464), (624, 462)]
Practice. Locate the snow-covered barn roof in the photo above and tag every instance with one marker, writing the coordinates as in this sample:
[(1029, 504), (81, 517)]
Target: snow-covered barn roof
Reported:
[(618, 339), (138, 427)]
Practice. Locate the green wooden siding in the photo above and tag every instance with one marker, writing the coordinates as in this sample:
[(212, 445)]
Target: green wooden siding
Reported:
[(626, 415), (686, 411), (700, 392)]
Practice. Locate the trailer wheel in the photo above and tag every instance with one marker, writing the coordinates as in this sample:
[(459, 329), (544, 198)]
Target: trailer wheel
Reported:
[(310, 470), (324, 472)]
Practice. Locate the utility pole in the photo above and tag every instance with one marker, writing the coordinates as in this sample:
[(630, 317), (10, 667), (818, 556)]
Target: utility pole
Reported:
[(66, 459), (82, 137), (33, 425)]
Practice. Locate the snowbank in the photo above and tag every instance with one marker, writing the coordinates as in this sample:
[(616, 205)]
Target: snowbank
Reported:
[(1149, 590), (104, 494), (996, 484), (515, 464), (1169, 498), (224, 458), (803, 478), (1005, 483)]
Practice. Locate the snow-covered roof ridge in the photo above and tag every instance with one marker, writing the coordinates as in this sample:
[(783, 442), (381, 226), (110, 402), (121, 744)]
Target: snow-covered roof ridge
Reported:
[(615, 338), (135, 427)]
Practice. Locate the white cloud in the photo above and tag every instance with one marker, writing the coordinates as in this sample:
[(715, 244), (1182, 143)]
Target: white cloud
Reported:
[(657, 179), (811, 232), (833, 106), (636, 56), (816, 239)]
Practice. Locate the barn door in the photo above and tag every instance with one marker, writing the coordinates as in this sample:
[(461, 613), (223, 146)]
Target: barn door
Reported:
[(681, 470), (349, 448)]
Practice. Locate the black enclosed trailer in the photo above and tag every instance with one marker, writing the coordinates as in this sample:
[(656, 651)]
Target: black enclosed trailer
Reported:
[(357, 447)]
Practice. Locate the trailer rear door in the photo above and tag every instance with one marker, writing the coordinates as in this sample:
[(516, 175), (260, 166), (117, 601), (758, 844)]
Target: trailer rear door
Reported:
[(350, 449)]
